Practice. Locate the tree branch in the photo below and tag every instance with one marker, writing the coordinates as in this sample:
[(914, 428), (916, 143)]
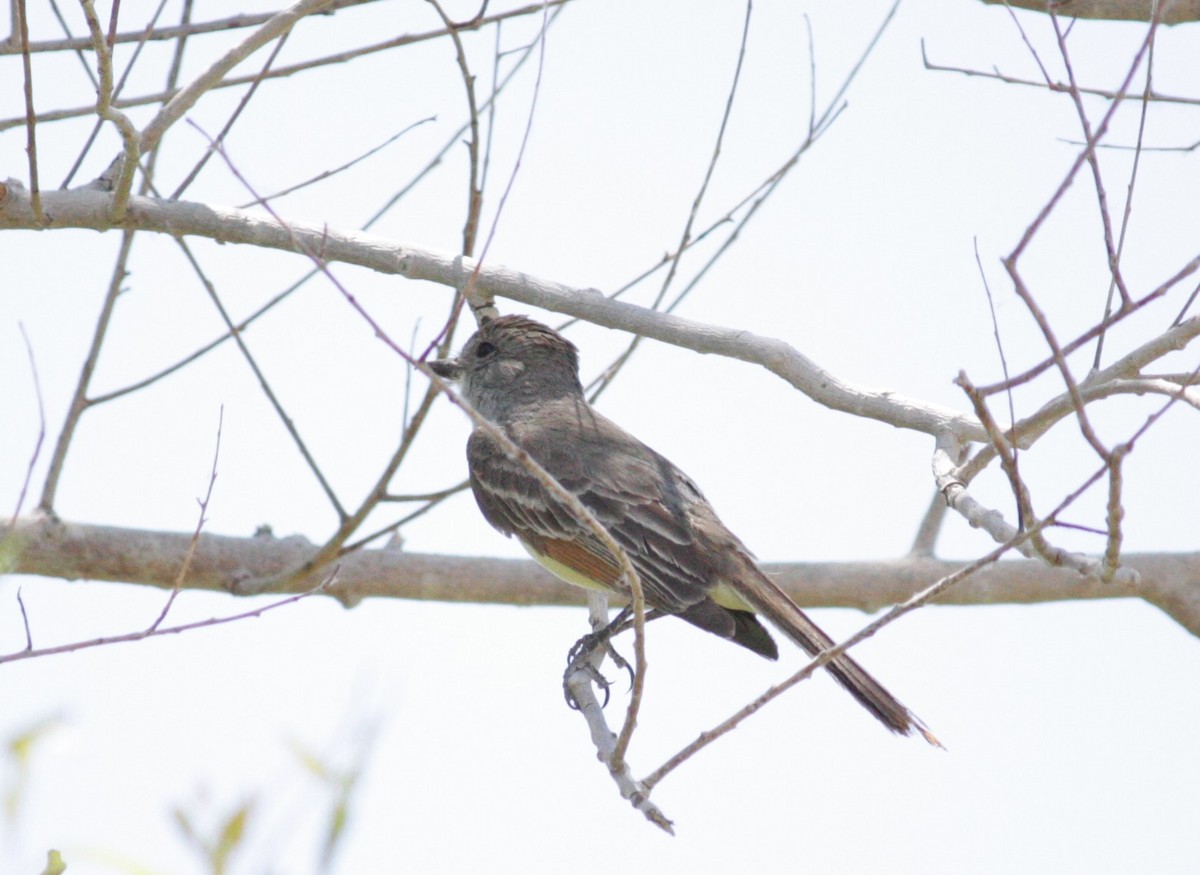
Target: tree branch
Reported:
[(51, 548), (1177, 12), (85, 208)]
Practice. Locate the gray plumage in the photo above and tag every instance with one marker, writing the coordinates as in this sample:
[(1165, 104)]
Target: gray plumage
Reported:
[(524, 377)]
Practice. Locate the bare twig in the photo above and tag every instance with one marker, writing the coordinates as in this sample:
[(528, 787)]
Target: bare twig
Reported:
[(1026, 518), (930, 526), (150, 163), (1118, 378), (25, 621), (481, 303), (30, 116), (1112, 546), (1058, 87), (282, 72), (272, 29), (117, 89), (579, 683), (201, 519), (1083, 156), (1137, 156), (174, 32), (1060, 360), (1014, 435), (1085, 337), (41, 434), (327, 174), (233, 116), (569, 499), (155, 632), (264, 384), (123, 185), (1114, 261), (610, 373), (79, 399), (474, 191)]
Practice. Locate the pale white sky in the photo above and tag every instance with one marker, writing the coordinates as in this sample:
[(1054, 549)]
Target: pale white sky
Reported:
[(1070, 728)]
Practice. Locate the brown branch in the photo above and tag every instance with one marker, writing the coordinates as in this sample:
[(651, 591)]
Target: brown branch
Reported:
[(73, 551), (1178, 12)]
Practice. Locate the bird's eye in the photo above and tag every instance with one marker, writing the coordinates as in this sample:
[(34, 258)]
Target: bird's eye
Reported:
[(484, 350)]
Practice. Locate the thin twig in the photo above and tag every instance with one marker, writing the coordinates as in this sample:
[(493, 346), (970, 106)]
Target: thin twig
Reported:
[(201, 519), (41, 435), (1085, 337), (264, 384), (233, 116), (122, 187), (30, 115), (172, 32), (282, 72), (150, 162), (474, 192), (610, 373), (1008, 461), (482, 304), (169, 630), (1115, 379), (1115, 513), (429, 505), (1013, 435), (579, 683), (1060, 360), (118, 88), (1058, 87), (327, 174), (185, 99), (1137, 156), (79, 399), (1083, 155), (1114, 262)]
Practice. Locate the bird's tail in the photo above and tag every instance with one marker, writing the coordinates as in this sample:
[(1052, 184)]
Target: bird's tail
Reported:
[(765, 596)]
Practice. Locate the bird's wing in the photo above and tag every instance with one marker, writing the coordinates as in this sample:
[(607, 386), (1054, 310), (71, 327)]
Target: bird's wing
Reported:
[(637, 495)]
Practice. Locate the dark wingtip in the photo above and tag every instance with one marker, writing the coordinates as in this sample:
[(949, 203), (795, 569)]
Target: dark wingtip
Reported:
[(751, 634)]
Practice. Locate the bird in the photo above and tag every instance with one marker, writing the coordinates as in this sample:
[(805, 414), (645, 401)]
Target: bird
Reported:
[(523, 377)]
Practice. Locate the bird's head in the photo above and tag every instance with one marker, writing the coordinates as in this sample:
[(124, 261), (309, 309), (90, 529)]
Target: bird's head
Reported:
[(510, 363)]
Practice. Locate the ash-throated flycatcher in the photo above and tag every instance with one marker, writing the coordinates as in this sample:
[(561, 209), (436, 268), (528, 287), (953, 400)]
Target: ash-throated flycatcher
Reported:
[(524, 378)]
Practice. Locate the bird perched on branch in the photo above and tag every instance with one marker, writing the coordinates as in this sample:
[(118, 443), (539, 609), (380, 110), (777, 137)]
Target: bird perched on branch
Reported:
[(523, 377)]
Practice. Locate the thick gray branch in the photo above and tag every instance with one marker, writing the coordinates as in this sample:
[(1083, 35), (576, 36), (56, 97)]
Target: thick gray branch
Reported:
[(51, 548), (85, 208), (1173, 11)]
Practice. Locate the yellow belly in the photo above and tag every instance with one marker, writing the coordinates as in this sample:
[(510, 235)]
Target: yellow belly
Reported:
[(723, 594)]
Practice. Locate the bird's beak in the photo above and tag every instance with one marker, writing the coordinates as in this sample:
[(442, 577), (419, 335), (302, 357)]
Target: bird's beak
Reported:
[(447, 369)]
